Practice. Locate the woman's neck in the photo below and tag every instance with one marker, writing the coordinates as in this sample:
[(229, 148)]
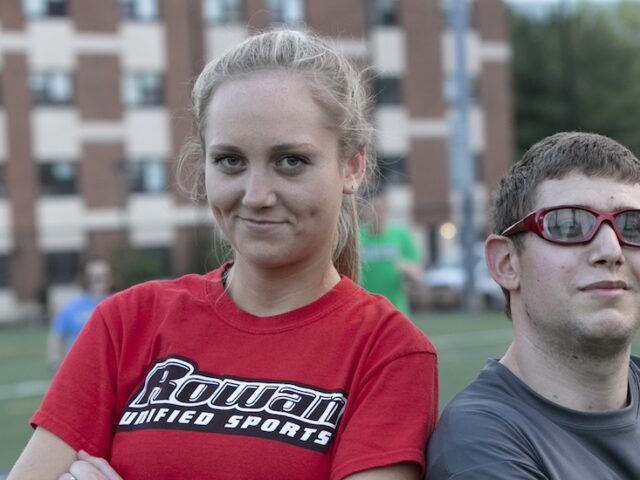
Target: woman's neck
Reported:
[(266, 292)]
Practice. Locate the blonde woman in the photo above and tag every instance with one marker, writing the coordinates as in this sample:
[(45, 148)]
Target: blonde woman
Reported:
[(276, 365)]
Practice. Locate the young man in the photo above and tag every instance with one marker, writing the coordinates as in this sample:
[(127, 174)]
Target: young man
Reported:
[(564, 400), (96, 285), (390, 256)]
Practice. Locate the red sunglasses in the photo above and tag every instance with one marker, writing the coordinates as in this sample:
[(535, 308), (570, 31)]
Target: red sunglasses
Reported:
[(572, 225)]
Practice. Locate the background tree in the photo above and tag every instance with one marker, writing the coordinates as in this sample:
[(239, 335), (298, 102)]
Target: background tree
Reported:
[(577, 69)]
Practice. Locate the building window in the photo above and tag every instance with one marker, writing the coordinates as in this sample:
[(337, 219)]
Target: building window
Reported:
[(58, 178), (478, 163), (44, 8), (392, 169), (3, 182), (290, 12), (143, 89), (150, 263), (62, 267), (147, 176), (382, 12), (51, 88), (387, 90), (140, 10), (222, 12), (135, 264), (4, 271), (161, 257)]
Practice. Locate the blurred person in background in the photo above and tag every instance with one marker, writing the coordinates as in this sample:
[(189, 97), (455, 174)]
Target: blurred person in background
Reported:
[(390, 256), (96, 283), (563, 402), (277, 364)]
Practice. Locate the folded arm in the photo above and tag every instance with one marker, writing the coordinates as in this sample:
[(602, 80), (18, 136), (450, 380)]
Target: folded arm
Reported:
[(46, 456)]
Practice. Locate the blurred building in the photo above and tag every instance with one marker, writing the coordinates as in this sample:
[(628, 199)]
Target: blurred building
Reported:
[(94, 109)]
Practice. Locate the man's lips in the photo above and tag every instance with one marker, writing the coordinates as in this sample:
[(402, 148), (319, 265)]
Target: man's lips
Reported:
[(606, 285)]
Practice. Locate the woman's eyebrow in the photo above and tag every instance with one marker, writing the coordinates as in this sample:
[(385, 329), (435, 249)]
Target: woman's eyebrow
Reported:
[(291, 146), (217, 147)]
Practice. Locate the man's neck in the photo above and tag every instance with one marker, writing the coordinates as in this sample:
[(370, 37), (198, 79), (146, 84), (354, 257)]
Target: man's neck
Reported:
[(573, 380)]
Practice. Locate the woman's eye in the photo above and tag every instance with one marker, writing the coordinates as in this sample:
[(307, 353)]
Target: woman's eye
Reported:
[(228, 162), (291, 162)]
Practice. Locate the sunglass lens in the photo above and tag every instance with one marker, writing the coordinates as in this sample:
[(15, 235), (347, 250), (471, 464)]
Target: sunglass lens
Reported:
[(568, 225), (628, 224)]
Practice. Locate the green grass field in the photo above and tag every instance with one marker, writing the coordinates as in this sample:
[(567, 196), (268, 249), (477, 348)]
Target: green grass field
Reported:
[(22, 360), (464, 342)]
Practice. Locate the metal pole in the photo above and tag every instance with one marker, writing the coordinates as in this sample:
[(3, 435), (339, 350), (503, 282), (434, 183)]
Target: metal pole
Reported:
[(464, 169)]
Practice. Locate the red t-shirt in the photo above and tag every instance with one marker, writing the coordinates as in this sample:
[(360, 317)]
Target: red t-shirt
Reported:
[(170, 379)]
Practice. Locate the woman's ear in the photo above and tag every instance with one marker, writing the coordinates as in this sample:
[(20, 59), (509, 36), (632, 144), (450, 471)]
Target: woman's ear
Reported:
[(502, 261), (354, 172)]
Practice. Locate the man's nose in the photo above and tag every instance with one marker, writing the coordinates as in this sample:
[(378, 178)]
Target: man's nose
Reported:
[(605, 246)]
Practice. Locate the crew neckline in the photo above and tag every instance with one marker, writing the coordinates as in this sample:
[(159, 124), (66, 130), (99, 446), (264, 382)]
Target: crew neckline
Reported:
[(225, 308), (576, 419)]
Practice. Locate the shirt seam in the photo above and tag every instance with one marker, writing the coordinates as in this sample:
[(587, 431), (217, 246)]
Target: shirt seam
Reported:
[(397, 357)]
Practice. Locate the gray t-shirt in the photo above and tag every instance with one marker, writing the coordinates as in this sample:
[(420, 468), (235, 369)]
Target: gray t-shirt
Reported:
[(498, 428)]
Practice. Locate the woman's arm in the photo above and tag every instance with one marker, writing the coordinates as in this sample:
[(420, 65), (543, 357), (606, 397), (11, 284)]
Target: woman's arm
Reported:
[(399, 471), (46, 456), (85, 467)]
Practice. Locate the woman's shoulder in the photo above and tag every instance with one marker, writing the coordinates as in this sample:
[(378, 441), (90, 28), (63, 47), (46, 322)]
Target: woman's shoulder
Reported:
[(190, 287), (376, 316)]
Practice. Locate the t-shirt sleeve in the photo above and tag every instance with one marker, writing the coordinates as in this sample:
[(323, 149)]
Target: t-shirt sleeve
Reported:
[(391, 416), (62, 320), (79, 406), (410, 250), (469, 444)]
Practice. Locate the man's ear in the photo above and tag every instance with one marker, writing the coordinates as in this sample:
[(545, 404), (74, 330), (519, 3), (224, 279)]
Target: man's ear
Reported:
[(354, 171), (502, 261)]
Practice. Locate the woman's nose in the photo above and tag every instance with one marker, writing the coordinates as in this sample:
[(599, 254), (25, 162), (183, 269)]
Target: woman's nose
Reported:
[(259, 190)]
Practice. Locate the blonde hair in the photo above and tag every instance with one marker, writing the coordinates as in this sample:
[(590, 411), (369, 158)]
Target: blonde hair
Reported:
[(335, 85)]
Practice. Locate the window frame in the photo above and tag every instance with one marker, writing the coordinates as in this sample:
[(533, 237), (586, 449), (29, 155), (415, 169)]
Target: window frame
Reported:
[(64, 187), (5, 274), (282, 8), (148, 96), (137, 176), (3, 181), (45, 9), (128, 12), (379, 16), (231, 12), (393, 169), (44, 95), (388, 90), (65, 265)]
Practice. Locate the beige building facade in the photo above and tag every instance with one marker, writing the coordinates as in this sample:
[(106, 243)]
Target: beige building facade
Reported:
[(94, 110)]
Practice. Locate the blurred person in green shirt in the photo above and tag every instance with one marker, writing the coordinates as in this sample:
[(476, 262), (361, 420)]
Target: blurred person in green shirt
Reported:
[(390, 256)]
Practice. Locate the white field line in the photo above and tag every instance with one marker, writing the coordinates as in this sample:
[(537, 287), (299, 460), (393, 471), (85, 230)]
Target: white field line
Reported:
[(442, 342), (24, 389)]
